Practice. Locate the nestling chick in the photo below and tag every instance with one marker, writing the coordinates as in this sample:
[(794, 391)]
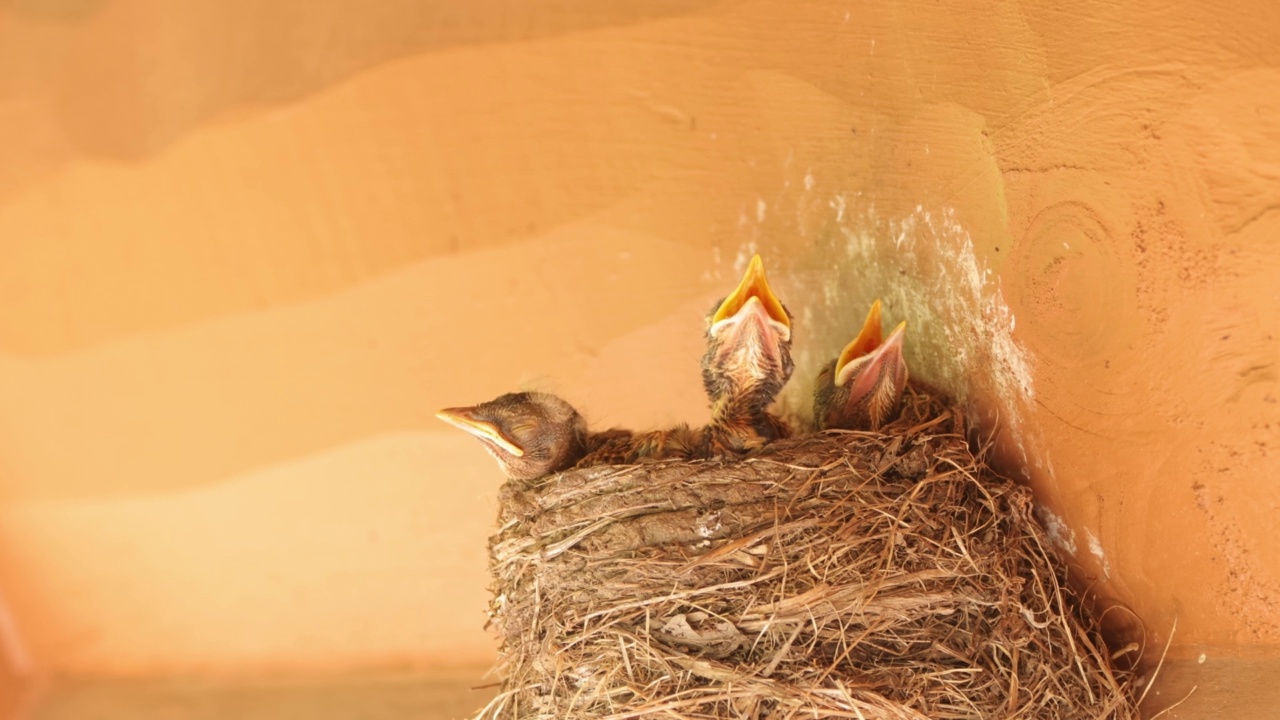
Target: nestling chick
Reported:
[(747, 362), (530, 434), (623, 447), (861, 388)]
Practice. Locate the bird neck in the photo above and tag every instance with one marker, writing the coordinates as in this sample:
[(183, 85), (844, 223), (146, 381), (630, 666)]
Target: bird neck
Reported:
[(741, 402)]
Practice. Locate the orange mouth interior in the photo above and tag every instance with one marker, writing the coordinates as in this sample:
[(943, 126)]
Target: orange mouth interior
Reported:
[(753, 285), (869, 338)]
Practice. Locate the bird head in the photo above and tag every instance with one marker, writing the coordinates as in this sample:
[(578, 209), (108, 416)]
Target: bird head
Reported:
[(530, 434), (748, 342), (861, 389)]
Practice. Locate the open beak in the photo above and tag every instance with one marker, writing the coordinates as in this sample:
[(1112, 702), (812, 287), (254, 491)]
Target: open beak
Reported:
[(464, 418), (878, 377), (889, 354), (754, 300), (868, 339)]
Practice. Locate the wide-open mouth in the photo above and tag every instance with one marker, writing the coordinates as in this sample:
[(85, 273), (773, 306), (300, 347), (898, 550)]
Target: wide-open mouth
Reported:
[(755, 287), (464, 418), (870, 349), (868, 339)]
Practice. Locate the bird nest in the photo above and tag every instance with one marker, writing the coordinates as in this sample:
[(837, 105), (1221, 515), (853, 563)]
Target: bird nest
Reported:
[(841, 574)]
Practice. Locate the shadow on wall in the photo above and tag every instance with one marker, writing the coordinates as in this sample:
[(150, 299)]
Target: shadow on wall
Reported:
[(15, 664)]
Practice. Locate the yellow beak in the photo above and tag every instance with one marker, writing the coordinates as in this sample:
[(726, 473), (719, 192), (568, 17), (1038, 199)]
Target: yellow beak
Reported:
[(868, 339), (753, 285), (464, 418)]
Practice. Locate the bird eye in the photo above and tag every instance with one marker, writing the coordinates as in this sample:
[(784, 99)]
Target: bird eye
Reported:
[(522, 428)]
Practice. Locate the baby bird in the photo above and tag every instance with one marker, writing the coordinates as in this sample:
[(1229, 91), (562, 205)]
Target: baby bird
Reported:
[(530, 434), (623, 447), (860, 389), (747, 362)]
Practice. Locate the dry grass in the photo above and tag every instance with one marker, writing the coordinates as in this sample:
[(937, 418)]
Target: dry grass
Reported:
[(836, 575)]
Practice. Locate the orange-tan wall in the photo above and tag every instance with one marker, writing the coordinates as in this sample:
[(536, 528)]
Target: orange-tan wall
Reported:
[(247, 249)]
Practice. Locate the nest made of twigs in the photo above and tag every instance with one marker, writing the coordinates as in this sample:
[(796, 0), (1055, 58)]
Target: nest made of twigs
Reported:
[(839, 574)]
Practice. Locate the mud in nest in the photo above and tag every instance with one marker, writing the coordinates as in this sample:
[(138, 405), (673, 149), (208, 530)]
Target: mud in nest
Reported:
[(835, 575)]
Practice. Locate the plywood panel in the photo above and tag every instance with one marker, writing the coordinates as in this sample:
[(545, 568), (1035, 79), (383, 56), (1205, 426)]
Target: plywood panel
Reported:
[(245, 253)]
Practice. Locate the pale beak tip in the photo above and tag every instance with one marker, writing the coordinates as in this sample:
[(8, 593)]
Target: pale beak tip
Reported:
[(451, 415)]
